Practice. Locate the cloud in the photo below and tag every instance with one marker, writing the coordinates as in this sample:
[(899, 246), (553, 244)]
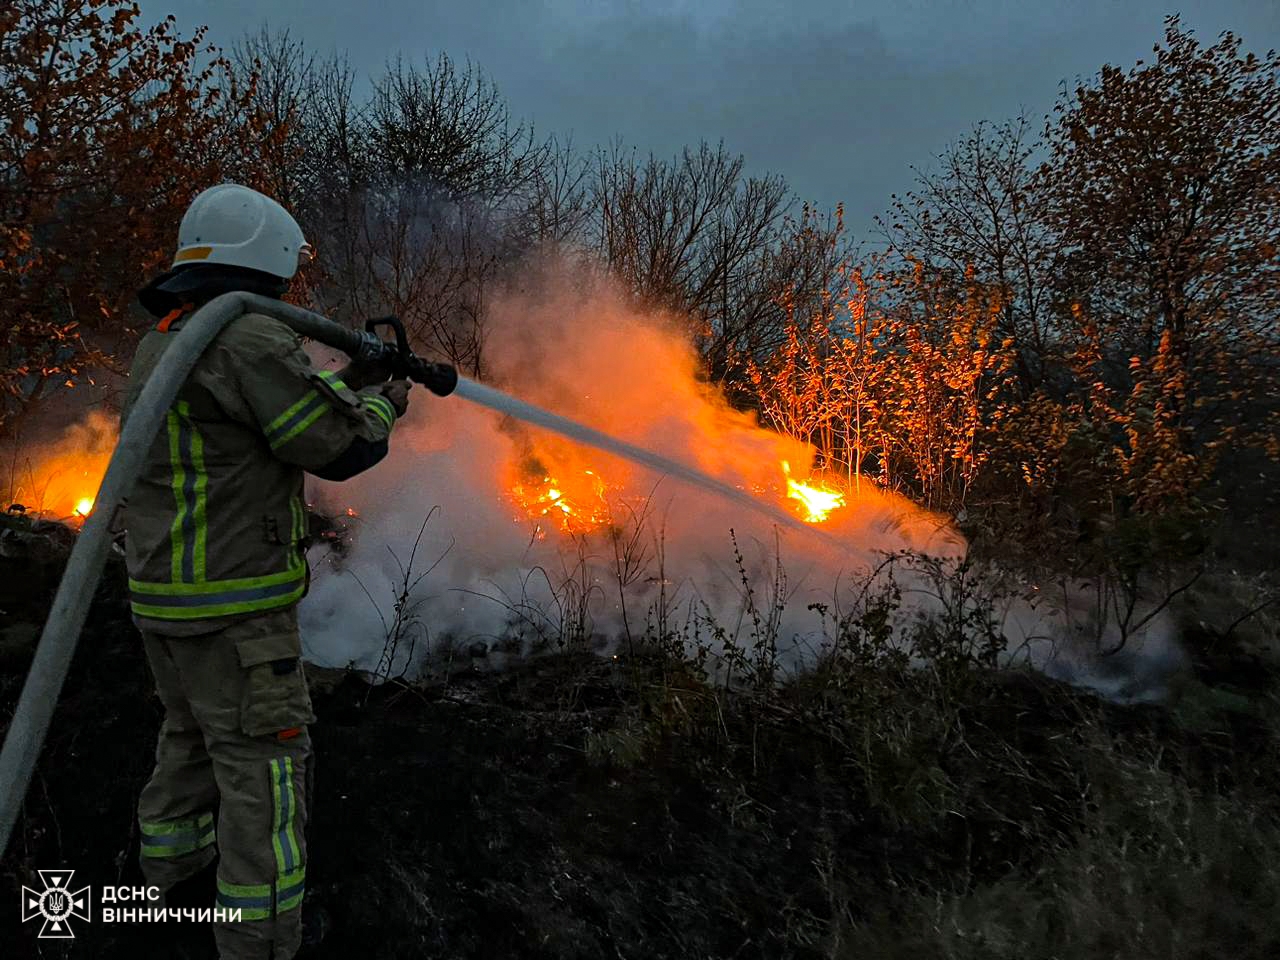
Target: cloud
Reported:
[(840, 97)]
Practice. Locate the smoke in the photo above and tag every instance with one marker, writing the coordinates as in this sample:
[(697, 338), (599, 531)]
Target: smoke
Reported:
[(530, 539), (54, 478)]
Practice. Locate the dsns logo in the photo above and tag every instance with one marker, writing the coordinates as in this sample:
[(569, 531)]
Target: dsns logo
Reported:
[(57, 903)]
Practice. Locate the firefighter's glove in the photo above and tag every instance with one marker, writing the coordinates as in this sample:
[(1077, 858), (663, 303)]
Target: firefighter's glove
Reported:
[(397, 391)]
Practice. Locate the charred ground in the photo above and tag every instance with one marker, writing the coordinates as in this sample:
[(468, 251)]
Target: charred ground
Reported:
[(574, 807)]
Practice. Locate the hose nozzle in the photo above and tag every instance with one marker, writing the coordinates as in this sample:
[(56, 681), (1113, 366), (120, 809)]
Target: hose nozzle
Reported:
[(439, 378)]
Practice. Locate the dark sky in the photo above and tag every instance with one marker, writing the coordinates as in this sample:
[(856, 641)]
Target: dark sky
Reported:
[(839, 97)]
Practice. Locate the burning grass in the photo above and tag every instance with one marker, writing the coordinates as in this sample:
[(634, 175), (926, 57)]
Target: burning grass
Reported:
[(550, 542), (575, 503), (59, 481), (547, 544)]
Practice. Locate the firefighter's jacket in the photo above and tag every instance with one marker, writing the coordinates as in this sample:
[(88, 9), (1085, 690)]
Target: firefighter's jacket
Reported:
[(215, 526)]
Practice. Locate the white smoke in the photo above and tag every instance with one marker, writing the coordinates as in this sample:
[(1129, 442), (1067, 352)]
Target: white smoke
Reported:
[(500, 579)]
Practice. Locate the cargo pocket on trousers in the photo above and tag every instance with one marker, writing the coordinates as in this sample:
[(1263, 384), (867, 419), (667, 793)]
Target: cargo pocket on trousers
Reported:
[(275, 690)]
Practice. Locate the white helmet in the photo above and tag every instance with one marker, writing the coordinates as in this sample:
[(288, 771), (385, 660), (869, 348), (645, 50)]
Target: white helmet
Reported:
[(233, 225)]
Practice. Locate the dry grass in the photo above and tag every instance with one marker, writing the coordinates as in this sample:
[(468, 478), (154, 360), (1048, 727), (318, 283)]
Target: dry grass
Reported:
[(1158, 872)]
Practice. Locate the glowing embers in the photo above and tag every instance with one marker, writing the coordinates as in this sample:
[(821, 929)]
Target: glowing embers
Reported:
[(816, 503), (84, 507), (574, 502)]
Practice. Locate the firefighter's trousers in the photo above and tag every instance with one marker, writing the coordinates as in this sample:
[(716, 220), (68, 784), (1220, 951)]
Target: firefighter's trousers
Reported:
[(234, 741)]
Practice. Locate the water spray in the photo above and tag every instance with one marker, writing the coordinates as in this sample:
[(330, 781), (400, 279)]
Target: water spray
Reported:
[(507, 404), (443, 380)]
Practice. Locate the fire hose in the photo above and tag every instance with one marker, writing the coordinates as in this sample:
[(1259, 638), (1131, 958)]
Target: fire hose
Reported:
[(57, 644)]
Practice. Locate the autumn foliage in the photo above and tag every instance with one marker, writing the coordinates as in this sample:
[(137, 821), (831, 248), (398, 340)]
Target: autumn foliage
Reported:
[(892, 384), (107, 129), (1070, 346)]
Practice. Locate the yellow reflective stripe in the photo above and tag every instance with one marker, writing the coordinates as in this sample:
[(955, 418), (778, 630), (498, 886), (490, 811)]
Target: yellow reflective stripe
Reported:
[(192, 825), (290, 888), (383, 408), (301, 425), (200, 514), (302, 414), (217, 598), (283, 838), (275, 816), (180, 504), (245, 889), (252, 900), (188, 533), (329, 377), (176, 838), (255, 900), (281, 420), (162, 852), (206, 611), (298, 512), (211, 586)]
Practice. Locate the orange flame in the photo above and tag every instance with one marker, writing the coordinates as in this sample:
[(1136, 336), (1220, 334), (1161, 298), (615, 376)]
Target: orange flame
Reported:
[(574, 499), (575, 505), (577, 500), (60, 481), (818, 502)]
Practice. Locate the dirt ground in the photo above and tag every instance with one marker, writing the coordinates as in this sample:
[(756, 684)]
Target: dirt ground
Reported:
[(566, 808)]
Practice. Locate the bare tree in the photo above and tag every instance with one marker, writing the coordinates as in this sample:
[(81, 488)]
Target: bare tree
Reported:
[(559, 209), (423, 197), (279, 72), (982, 212), (450, 130), (417, 198), (697, 236)]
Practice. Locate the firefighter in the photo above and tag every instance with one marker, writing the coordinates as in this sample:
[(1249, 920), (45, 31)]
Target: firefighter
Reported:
[(215, 532)]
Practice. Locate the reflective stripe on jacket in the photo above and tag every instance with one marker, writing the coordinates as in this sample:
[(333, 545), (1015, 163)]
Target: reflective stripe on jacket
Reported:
[(216, 523)]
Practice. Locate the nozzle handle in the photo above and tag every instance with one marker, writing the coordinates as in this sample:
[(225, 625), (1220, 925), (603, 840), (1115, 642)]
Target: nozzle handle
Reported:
[(439, 378), (397, 353)]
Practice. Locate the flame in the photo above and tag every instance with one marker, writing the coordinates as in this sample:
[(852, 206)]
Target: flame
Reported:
[(576, 504), (60, 480), (818, 502), (541, 524), (577, 500), (560, 486), (653, 396)]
